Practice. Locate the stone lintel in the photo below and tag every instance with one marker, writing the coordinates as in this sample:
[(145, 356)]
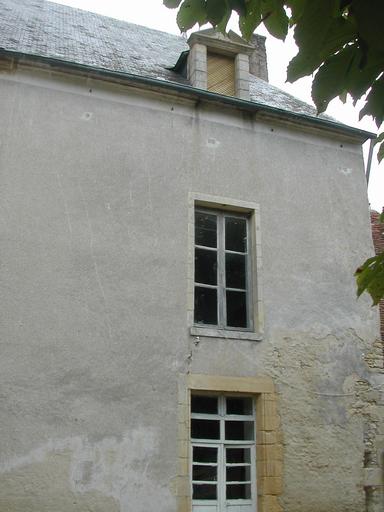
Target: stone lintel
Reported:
[(220, 43)]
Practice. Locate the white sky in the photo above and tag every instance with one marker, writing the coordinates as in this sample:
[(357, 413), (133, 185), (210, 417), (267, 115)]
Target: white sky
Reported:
[(152, 13)]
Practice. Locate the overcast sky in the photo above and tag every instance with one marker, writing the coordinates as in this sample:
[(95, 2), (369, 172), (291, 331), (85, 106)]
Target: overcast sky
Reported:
[(152, 13)]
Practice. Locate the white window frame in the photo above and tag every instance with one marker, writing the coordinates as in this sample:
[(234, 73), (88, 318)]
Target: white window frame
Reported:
[(221, 272), (222, 504)]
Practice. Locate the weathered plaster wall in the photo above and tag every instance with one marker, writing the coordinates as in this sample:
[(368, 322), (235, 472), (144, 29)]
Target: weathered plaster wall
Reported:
[(94, 212)]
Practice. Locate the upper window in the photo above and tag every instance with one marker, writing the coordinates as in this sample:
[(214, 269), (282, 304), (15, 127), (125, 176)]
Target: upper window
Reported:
[(222, 280)]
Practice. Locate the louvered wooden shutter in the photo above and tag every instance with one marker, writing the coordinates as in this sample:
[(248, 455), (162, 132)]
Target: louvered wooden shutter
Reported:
[(221, 74)]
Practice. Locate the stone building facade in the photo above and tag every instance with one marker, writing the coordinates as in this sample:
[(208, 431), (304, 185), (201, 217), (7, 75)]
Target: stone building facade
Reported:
[(180, 329)]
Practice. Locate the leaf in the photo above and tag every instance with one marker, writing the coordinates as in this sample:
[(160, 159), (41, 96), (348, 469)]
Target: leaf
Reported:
[(297, 9), (380, 156), (251, 19), (364, 70), (330, 80), (171, 4), (216, 11), (344, 4), (222, 25), (340, 32), (275, 18), (314, 23), (369, 16), (370, 278), (374, 105), (343, 96), (381, 218), (190, 13), (362, 279), (237, 5), (333, 35)]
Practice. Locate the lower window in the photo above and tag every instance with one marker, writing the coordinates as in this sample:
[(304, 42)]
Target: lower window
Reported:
[(223, 453)]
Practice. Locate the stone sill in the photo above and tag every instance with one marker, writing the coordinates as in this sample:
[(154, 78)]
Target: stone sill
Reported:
[(373, 477), (209, 332)]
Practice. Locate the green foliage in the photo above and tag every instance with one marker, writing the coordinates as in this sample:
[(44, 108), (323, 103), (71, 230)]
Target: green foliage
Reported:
[(172, 4), (330, 78), (250, 19), (370, 275), (275, 18), (380, 154), (318, 35), (190, 12), (370, 278), (375, 104)]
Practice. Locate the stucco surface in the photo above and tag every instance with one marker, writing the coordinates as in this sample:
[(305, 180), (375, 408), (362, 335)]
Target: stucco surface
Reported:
[(94, 213)]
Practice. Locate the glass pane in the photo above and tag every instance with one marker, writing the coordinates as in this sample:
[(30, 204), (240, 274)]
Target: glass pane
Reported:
[(203, 454), (236, 234), (238, 455), (239, 474), (204, 473), (239, 430), (205, 429), (204, 404), (236, 309), (204, 492), (238, 491), (235, 271), (239, 405), (205, 305), (205, 266), (205, 229)]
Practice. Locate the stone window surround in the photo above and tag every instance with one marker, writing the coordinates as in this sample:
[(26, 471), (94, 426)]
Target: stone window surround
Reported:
[(257, 316), (201, 44), (269, 448)]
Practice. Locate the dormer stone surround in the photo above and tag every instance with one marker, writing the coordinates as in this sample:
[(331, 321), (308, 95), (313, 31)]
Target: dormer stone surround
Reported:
[(206, 44)]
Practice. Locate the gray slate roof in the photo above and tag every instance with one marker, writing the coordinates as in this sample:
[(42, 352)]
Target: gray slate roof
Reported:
[(46, 29), (37, 27)]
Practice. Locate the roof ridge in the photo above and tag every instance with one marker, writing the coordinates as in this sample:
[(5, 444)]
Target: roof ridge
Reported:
[(119, 20)]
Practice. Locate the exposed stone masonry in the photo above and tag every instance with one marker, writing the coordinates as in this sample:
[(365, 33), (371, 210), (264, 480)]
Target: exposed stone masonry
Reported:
[(258, 60), (378, 242)]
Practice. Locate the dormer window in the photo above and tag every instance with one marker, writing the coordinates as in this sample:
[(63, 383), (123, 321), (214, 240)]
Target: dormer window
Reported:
[(221, 74), (219, 63)]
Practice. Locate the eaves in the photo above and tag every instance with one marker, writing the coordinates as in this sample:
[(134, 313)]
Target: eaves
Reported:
[(11, 59)]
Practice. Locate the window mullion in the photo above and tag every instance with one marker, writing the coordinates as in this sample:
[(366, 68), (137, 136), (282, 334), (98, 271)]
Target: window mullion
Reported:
[(222, 412), (221, 479), (248, 281), (221, 271), (220, 474)]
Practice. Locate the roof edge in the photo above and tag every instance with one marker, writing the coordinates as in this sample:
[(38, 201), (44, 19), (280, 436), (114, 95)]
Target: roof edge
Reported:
[(189, 91)]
